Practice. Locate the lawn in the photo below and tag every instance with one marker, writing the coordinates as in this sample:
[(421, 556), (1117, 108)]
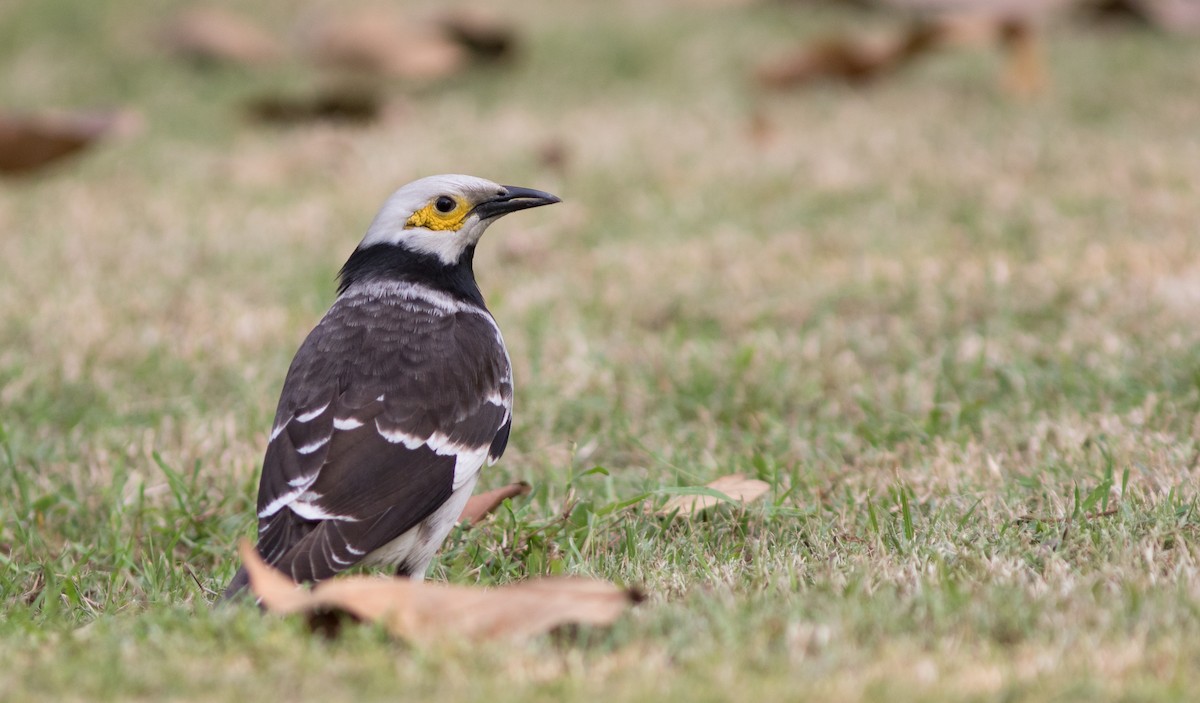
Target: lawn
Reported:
[(955, 331)]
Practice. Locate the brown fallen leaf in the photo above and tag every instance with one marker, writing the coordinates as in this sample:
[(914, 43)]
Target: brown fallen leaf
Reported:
[(1009, 8), (850, 58), (379, 42), (335, 105), (480, 506), (1175, 16), (859, 60), (422, 612), (29, 142), (208, 35), (736, 486), (484, 35)]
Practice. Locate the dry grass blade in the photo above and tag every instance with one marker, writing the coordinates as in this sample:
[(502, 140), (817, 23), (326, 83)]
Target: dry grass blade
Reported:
[(425, 612), (28, 142), (735, 486), (211, 36), (480, 506), (1025, 519)]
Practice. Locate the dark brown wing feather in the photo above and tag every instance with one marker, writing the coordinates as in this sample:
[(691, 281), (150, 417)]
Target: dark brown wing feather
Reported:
[(333, 486)]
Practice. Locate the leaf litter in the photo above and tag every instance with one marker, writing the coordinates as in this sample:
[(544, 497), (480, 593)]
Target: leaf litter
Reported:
[(29, 142), (422, 613), (732, 488), (480, 506)]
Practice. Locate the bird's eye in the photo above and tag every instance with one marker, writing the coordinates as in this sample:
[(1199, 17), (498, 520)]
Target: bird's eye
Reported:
[(445, 204)]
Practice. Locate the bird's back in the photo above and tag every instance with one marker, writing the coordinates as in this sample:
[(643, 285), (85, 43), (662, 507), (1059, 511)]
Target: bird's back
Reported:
[(392, 404)]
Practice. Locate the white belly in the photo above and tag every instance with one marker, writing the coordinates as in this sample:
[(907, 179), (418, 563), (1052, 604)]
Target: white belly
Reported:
[(417, 547)]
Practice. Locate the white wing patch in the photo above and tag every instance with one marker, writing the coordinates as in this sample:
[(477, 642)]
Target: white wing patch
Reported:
[(307, 416), (313, 446), (299, 491), (346, 423), (399, 437), (311, 511), (468, 459), (306, 507), (311, 414), (274, 506)]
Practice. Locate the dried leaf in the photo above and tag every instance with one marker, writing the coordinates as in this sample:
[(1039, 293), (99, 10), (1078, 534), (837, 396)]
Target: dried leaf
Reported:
[(859, 60), (1177, 16), (484, 504), (485, 36), (994, 8), (28, 142), (336, 105), (1174, 16), (210, 35), (734, 486), (424, 612), (379, 42), (853, 59)]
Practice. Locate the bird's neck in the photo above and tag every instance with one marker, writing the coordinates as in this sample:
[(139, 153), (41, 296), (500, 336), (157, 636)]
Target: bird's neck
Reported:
[(389, 262)]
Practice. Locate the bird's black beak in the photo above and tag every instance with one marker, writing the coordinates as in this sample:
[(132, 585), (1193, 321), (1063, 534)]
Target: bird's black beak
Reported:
[(512, 199)]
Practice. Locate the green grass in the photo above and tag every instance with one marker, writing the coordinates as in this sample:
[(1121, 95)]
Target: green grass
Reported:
[(957, 333)]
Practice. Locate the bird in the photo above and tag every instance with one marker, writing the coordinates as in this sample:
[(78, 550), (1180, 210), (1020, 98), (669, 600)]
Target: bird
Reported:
[(397, 398)]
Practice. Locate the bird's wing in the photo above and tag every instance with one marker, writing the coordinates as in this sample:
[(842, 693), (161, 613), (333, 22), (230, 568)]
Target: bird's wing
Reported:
[(390, 406)]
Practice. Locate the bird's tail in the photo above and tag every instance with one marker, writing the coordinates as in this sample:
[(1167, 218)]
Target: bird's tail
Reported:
[(238, 584), (277, 542)]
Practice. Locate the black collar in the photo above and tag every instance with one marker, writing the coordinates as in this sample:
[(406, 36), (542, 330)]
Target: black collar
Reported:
[(392, 262)]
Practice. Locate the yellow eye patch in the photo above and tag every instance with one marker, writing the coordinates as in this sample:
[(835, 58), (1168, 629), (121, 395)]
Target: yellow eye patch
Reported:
[(432, 216)]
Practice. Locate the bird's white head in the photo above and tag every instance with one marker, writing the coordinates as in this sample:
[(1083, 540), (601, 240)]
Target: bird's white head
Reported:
[(444, 215)]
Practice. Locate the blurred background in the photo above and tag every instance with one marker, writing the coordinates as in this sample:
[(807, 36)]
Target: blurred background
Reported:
[(853, 247), (929, 269)]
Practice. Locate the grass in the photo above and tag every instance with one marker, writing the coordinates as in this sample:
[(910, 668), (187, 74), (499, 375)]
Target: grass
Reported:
[(955, 332)]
